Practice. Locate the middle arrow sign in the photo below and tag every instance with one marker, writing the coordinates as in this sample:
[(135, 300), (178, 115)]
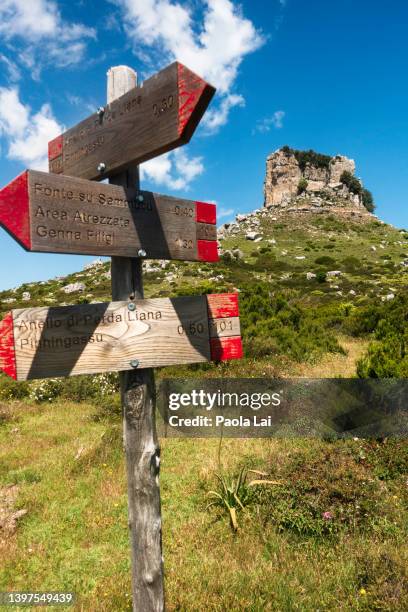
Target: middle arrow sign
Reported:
[(61, 214)]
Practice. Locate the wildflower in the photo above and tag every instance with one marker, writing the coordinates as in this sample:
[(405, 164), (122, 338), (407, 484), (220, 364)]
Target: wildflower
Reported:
[(363, 592), (327, 516)]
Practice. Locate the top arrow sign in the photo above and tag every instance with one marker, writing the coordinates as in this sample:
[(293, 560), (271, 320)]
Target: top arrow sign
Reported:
[(149, 120)]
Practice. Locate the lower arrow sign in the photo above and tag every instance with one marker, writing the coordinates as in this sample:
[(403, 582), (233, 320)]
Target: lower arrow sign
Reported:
[(94, 338), (61, 214)]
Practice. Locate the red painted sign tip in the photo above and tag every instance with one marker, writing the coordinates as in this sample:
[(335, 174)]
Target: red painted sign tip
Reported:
[(194, 96), (14, 209), (224, 349), (206, 213), (222, 305), (7, 350), (55, 148), (207, 250)]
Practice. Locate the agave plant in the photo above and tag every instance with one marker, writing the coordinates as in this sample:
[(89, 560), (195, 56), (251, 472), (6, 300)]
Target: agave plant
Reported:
[(235, 494)]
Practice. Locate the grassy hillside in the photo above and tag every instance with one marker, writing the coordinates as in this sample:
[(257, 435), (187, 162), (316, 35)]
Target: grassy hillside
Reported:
[(313, 285)]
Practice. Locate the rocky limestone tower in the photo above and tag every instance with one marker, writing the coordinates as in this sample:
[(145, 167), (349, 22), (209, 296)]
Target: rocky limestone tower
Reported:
[(311, 178)]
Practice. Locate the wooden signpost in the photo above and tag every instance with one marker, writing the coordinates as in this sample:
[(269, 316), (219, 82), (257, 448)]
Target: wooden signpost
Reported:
[(61, 214), (131, 335), (117, 336), (145, 122)]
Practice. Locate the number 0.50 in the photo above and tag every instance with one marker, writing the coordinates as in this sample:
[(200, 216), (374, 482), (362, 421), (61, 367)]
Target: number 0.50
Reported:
[(165, 104), (191, 330)]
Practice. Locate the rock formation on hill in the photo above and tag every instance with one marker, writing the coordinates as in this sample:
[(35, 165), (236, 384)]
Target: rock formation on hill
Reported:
[(309, 181)]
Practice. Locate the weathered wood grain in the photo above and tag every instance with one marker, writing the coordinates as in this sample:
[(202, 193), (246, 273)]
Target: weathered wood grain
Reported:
[(145, 122), (61, 214), (94, 338)]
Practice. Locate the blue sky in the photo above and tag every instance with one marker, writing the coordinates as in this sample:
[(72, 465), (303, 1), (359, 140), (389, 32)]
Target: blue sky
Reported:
[(317, 74)]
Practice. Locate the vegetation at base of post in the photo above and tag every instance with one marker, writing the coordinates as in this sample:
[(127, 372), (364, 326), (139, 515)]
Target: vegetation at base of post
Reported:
[(99, 389), (335, 524)]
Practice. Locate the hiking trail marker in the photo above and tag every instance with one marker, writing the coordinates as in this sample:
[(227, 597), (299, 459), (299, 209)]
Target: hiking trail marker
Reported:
[(61, 214), (64, 212), (145, 122), (95, 338)]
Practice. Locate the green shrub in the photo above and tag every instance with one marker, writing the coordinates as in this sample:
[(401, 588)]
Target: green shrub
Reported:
[(90, 388), (320, 496), (302, 186), (325, 260), (321, 276), (45, 390), (10, 389), (351, 182), (308, 157), (363, 321), (351, 264), (354, 185), (271, 324), (346, 308), (387, 354), (76, 388), (368, 200)]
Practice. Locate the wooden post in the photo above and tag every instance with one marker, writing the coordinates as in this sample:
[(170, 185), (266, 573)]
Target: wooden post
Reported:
[(139, 428)]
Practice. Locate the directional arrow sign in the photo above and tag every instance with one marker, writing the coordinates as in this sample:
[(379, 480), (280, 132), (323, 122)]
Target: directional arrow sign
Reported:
[(93, 338), (61, 214), (149, 120)]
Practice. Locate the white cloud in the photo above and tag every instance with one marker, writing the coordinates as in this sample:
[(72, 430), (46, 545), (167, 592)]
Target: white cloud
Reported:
[(85, 106), (33, 19), (12, 68), (174, 170), (213, 49), (43, 36), (13, 114), (225, 213), (216, 117), (265, 125), (277, 119), (27, 134)]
